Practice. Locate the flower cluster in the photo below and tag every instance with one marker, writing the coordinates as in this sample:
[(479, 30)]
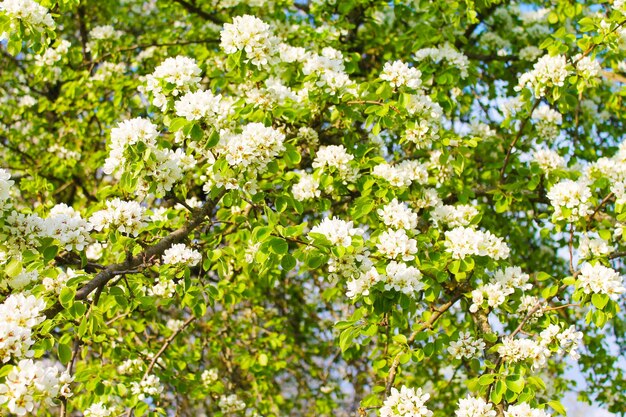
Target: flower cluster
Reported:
[(586, 66), (67, 226), (181, 254), (466, 346), (53, 55), (599, 279), (568, 340), (501, 286), (395, 244), (454, 216), (55, 285), (398, 215), (209, 377), (163, 288), (338, 232), (5, 185), (19, 313), (255, 147), (175, 76), (399, 74), (548, 71), (24, 230), (361, 285), (524, 410), (593, 247), (21, 280), (428, 114), (446, 53), (408, 402), (403, 278), (307, 188), (570, 200), (474, 407), (98, 410), (125, 216), (402, 174), (128, 133), (519, 350), (28, 11), (329, 69), (548, 160), (547, 121), (104, 32), (231, 403), (204, 105), (252, 35), (150, 386), (30, 383), (100, 34), (336, 157), (462, 242)]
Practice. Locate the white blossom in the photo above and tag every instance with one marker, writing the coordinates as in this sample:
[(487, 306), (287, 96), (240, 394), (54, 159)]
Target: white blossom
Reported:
[(466, 346), (548, 71), (337, 157), (252, 35), (150, 386), (474, 407), (231, 403), (402, 174), (598, 279), (403, 278), (395, 244), (518, 350), (462, 242), (255, 147), (398, 215), (125, 216), (28, 11), (307, 188), (548, 160), (570, 200), (179, 253), (524, 410), (446, 53), (454, 216), (407, 402), (98, 410), (338, 232), (180, 72), (31, 383), (399, 74)]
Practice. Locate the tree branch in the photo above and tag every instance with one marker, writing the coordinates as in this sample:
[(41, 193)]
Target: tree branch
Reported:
[(192, 8), (438, 312), (517, 138), (155, 251)]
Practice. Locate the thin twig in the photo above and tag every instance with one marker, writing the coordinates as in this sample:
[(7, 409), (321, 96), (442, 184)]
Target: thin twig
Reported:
[(517, 138)]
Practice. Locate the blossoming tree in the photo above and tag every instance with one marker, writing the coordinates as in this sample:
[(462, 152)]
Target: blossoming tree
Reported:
[(334, 207)]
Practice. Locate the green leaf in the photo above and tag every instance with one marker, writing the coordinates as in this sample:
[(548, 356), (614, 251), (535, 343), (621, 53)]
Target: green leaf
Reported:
[(50, 252), (346, 338), (486, 379), (599, 300), (13, 268), (177, 124), (64, 353), (557, 406), (278, 245), (288, 262), (515, 383), (67, 296)]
